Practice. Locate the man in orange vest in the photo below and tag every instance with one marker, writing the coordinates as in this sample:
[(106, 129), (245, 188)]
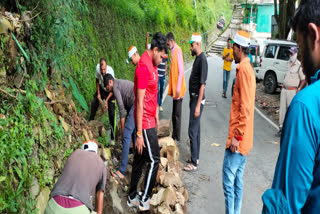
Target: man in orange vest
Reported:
[(177, 84)]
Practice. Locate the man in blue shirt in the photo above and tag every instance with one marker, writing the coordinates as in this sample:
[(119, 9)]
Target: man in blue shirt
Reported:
[(296, 182)]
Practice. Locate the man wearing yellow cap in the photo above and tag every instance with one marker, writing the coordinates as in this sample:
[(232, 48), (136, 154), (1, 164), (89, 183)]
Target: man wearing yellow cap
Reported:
[(240, 137), (197, 84)]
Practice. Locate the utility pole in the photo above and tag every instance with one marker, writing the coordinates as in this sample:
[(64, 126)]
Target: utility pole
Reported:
[(195, 6)]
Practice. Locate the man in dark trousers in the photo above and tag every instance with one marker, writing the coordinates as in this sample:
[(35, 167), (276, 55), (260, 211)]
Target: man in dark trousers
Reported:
[(177, 85), (197, 84), (146, 120), (83, 176), (102, 94)]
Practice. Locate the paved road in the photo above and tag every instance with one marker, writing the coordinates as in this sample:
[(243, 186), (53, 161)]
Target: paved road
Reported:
[(205, 186)]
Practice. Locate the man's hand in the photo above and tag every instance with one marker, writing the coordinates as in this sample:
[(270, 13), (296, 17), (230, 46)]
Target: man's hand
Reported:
[(197, 112), (139, 144), (99, 96), (234, 145), (157, 123), (177, 95)]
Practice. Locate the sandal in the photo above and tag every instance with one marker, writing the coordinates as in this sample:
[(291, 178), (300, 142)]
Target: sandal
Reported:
[(190, 168), (189, 161)]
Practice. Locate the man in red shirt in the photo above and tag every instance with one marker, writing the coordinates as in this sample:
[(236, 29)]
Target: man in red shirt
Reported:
[(146, 120)]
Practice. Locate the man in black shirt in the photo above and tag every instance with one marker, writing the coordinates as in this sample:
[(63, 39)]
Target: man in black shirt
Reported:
[(197, 84)]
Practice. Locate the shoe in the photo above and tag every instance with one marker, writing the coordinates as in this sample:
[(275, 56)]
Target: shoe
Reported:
[(278, 134), (161, 109), (135, 202), (145, 205)]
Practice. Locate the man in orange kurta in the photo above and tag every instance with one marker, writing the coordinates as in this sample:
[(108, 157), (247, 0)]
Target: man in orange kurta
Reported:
[(240, 137), (177, 85)]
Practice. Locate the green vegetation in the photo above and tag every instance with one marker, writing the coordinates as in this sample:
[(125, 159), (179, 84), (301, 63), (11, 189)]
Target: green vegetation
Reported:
[(67, 40)]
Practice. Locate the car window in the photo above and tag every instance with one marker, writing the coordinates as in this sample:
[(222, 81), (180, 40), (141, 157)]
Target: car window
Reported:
[(271, 51), (284, 53)]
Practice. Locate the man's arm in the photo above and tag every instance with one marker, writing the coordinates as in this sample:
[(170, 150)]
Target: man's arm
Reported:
[(99, 202), (166, 68), (139, 114), (302, 84), (107, 99), (201, 92), (98, 89), (121, 108), (246, 102), (299, 145)]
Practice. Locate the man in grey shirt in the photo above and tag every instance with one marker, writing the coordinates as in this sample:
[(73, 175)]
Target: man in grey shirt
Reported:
[(84, 175), (123, 92)]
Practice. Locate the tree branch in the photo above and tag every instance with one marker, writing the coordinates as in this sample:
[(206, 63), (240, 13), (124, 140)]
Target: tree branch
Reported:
[(57, 101), (5, 92)]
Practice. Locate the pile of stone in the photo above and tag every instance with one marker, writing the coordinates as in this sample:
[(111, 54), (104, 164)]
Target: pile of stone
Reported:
[(171, 196)]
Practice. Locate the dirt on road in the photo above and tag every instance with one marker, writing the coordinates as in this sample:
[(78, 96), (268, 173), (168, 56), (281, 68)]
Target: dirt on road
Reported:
[(270, 103)]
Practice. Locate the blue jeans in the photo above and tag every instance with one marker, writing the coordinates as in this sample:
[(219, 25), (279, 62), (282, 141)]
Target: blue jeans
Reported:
[(226, 77), (160, 89), (128, 133), (233, 166)]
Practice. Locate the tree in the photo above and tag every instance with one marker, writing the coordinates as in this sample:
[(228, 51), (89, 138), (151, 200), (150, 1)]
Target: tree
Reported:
[(286, 12)]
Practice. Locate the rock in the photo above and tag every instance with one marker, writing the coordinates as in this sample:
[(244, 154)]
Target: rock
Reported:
[(164, 209), (116, 201), (164, 129), (35, 188), (102, 131), (49, 94), (165, 141), (156, 198), (3, 76), (50, 173), (169, 196), (90, 134), (107, 153), (85, 135), (5, 26), (95, 127), (18, 80), (170, 179), (164, 162), (42, 200), (160, 172), (180, 199), (178, 209), (185, 194), (172, 153), (174, 168), (65, 125)]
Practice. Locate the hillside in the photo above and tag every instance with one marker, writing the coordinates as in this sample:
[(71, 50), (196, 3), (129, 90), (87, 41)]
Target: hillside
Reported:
[(46, 92)]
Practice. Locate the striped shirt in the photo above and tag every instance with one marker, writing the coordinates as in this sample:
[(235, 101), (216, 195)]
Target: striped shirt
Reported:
[(162, 67)]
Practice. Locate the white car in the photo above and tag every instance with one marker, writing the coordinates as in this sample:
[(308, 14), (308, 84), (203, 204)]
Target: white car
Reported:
[(273, 63)]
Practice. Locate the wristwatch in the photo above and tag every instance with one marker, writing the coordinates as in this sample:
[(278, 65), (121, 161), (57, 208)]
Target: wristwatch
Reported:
[(139, 134)]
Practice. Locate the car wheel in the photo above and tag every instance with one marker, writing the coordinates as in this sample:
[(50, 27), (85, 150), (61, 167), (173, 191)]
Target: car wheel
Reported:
[(270, 83)]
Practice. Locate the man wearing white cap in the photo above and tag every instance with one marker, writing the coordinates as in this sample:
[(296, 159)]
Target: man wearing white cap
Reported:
[(197, 84), (294, 81), (240, 137), (78, 182), (133, 55)]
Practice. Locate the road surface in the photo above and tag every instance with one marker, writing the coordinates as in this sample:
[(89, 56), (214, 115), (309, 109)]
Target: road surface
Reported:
[(205, 185)]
